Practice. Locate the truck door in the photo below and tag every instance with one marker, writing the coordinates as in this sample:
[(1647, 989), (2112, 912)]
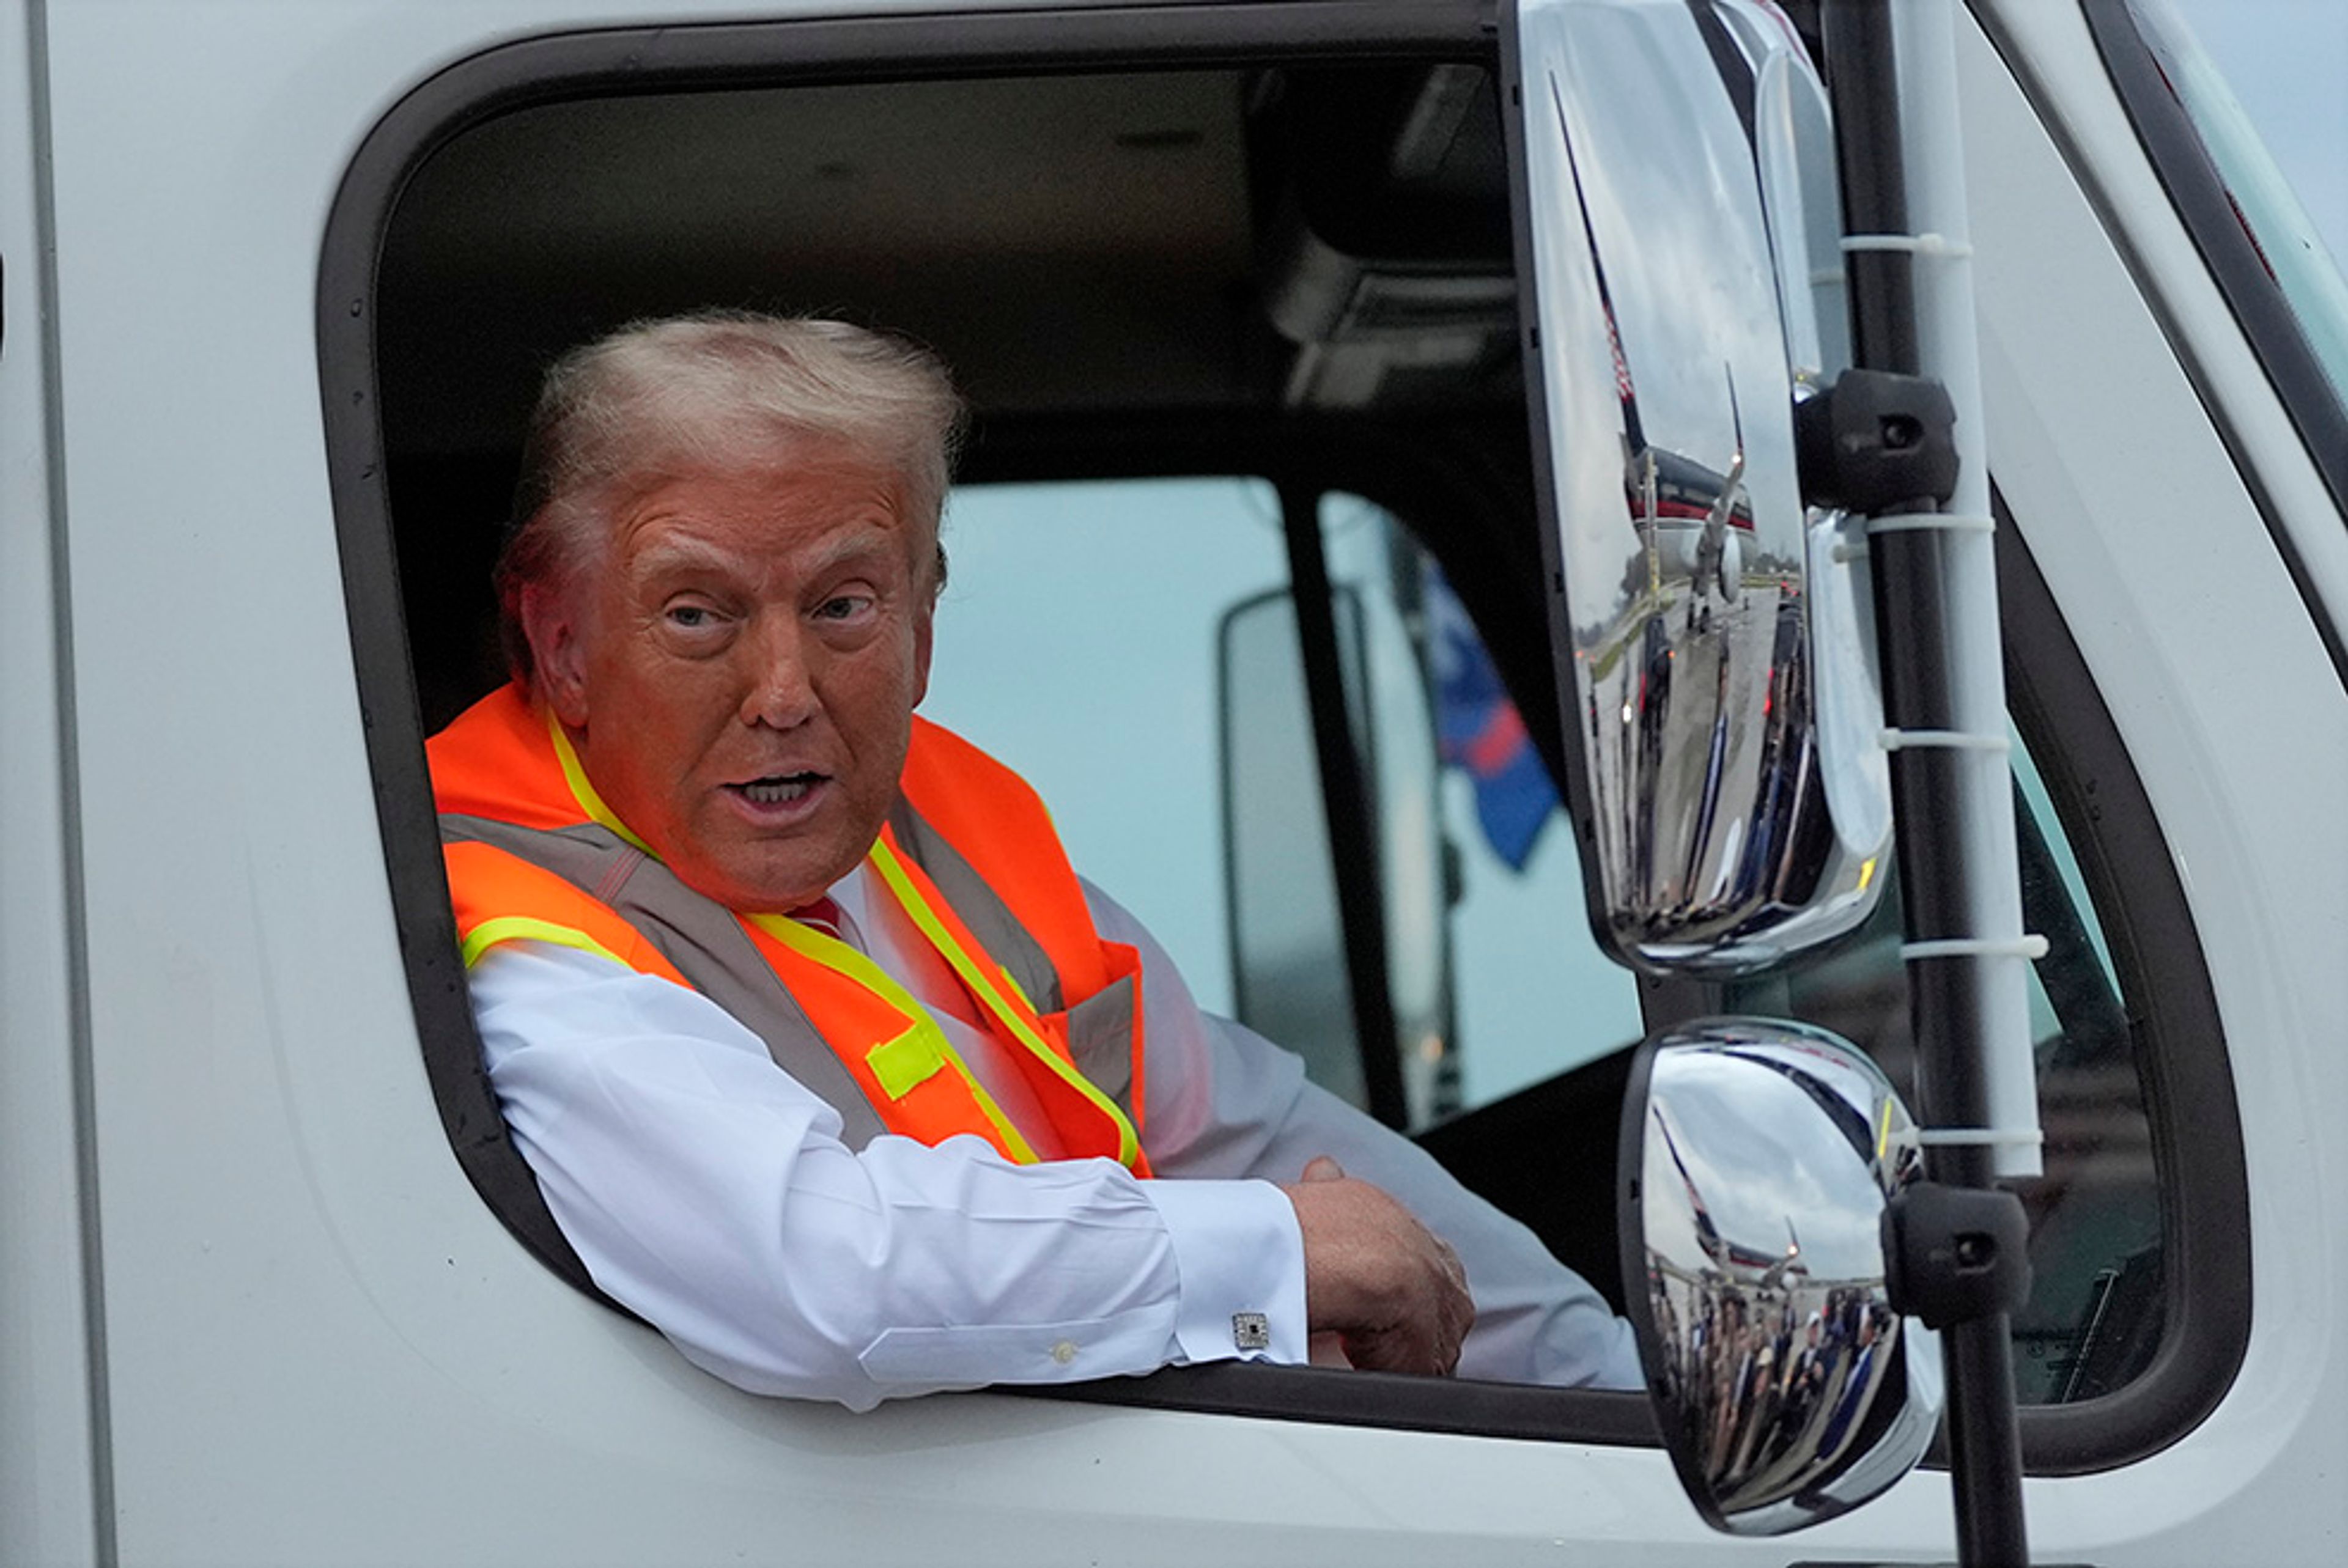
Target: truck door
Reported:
[(265, 1255)]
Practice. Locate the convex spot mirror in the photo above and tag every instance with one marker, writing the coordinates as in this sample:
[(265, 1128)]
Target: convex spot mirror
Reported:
[(1711, 631), (1758, 1160)]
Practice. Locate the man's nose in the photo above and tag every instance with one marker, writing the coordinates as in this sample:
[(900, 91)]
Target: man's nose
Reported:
[(778, 687)]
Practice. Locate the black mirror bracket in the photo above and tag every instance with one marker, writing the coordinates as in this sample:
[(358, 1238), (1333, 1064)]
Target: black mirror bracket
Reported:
[(1954, 1254), (1913, 558), (1877, 441)]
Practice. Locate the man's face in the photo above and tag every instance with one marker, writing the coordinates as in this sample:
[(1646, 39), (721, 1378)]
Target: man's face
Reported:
[(738, 671)]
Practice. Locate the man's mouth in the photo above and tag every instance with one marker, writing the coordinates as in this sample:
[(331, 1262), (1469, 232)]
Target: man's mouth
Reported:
[(778, 789)]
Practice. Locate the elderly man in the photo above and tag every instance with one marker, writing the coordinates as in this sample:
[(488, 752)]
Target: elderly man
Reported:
[(829, 1064)]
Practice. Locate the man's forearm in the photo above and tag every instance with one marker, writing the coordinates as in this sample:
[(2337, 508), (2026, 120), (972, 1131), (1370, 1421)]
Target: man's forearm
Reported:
[(710, 1194)]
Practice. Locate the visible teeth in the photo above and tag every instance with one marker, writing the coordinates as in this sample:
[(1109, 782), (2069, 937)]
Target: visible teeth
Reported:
[(775, 792)]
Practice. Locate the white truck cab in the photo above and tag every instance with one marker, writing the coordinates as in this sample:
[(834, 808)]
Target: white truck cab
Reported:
[(1257, 575)]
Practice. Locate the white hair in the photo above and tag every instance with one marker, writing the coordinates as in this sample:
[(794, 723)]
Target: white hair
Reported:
[(658, 400)]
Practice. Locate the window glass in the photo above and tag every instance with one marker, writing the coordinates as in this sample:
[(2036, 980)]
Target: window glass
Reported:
[(2093, 1318), (1532, 995), (1076, 642), (1123, 643), (2286, 57)]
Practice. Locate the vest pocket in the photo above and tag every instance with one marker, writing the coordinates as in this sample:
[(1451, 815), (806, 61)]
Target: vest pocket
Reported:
[(1100, 1038)]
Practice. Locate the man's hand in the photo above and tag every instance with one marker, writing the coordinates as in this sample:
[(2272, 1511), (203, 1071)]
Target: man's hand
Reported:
[(1392, 1290)]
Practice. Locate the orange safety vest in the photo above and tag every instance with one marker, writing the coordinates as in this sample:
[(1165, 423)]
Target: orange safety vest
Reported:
[(968, 851)]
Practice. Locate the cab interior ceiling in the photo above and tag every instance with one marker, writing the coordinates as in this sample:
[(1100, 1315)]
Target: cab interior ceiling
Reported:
[(1274, 238), (1103, 259)]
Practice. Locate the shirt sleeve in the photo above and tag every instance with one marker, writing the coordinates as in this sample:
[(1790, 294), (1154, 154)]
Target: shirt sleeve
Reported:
[(710, 1192), (1226, 1103)]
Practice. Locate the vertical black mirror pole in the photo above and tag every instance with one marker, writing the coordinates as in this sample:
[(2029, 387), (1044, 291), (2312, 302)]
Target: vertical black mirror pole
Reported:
[(1909, 583)]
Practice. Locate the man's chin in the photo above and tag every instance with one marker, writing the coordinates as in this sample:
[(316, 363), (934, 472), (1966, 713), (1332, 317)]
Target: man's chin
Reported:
[(774, 887)]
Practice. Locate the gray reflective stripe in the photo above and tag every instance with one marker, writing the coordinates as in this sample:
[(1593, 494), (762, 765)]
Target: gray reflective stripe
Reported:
[(989, 918), (1100, 1040), (700, 936), (707, 943), (1100, 1027)]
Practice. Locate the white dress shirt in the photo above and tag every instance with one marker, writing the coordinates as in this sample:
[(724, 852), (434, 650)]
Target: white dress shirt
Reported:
[(709, 1192)]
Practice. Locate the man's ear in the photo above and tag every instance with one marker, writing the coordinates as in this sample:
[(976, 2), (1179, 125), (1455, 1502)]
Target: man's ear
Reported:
[(924, 620), (925, 610), (558, 652)]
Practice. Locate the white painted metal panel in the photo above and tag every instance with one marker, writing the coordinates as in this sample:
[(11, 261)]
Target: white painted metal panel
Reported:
[(2238, 726)]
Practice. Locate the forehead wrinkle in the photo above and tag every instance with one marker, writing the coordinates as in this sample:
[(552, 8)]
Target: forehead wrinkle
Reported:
[(678, 550), (678, 553)]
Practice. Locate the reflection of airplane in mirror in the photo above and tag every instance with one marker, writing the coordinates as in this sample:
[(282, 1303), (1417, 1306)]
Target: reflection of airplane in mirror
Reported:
[(1695, 519)]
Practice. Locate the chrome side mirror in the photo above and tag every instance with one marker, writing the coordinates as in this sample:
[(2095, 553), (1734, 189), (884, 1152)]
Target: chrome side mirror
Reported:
[(1758, 1160), (1709, 631)]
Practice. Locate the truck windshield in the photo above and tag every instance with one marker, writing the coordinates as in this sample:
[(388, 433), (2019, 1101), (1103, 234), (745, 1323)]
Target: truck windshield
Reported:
[(2275, 129)]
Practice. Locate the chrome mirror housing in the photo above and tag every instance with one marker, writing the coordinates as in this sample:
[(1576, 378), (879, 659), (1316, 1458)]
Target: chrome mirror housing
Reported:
[(1758, 1160), (1713, 650)]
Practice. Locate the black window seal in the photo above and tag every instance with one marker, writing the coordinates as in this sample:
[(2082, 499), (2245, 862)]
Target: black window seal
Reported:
[(2173, 146), (667, 60), (2190, 1104)]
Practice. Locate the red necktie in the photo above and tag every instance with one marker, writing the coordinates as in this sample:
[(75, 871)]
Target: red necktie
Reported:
[(824, 915)]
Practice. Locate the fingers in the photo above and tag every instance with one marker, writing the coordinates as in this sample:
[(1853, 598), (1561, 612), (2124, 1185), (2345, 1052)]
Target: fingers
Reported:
[(1425, 1345), (1392, 1290)]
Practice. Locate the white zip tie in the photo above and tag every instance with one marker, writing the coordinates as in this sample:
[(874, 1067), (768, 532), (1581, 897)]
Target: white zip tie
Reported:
[(2030, 947), (1930, 522), (1915, 244), (1946, 1137), (1942, 740), (1844, 552)]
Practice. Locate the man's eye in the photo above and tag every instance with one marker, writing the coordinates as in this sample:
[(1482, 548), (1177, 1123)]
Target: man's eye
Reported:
[(844, 607), (690, 616)]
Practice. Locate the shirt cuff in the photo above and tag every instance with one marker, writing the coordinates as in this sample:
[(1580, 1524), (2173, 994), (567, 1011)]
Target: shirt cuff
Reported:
[(1240, 1256)]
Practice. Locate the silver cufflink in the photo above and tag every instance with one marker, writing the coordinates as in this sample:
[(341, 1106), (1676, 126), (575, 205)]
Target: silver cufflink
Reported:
[(1250, 1331)]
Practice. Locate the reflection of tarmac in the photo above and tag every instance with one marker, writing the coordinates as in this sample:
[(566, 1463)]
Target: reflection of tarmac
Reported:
[(1677, 731)]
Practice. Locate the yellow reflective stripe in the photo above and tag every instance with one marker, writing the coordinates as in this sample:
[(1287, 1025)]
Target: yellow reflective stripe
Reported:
[(584, 793), (892, 872), (521, 927), (909, 1060), (1016, 988), (839, 957)]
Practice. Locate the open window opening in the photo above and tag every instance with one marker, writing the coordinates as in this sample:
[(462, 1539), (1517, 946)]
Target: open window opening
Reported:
[(1178, 267)]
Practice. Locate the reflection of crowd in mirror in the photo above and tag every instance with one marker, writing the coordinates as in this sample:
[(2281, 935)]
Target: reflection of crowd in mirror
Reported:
[(1676, 1349), (1782, 1376)]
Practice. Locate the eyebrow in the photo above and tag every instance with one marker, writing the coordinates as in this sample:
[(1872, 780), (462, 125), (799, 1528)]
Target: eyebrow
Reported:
[(850, 549)]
